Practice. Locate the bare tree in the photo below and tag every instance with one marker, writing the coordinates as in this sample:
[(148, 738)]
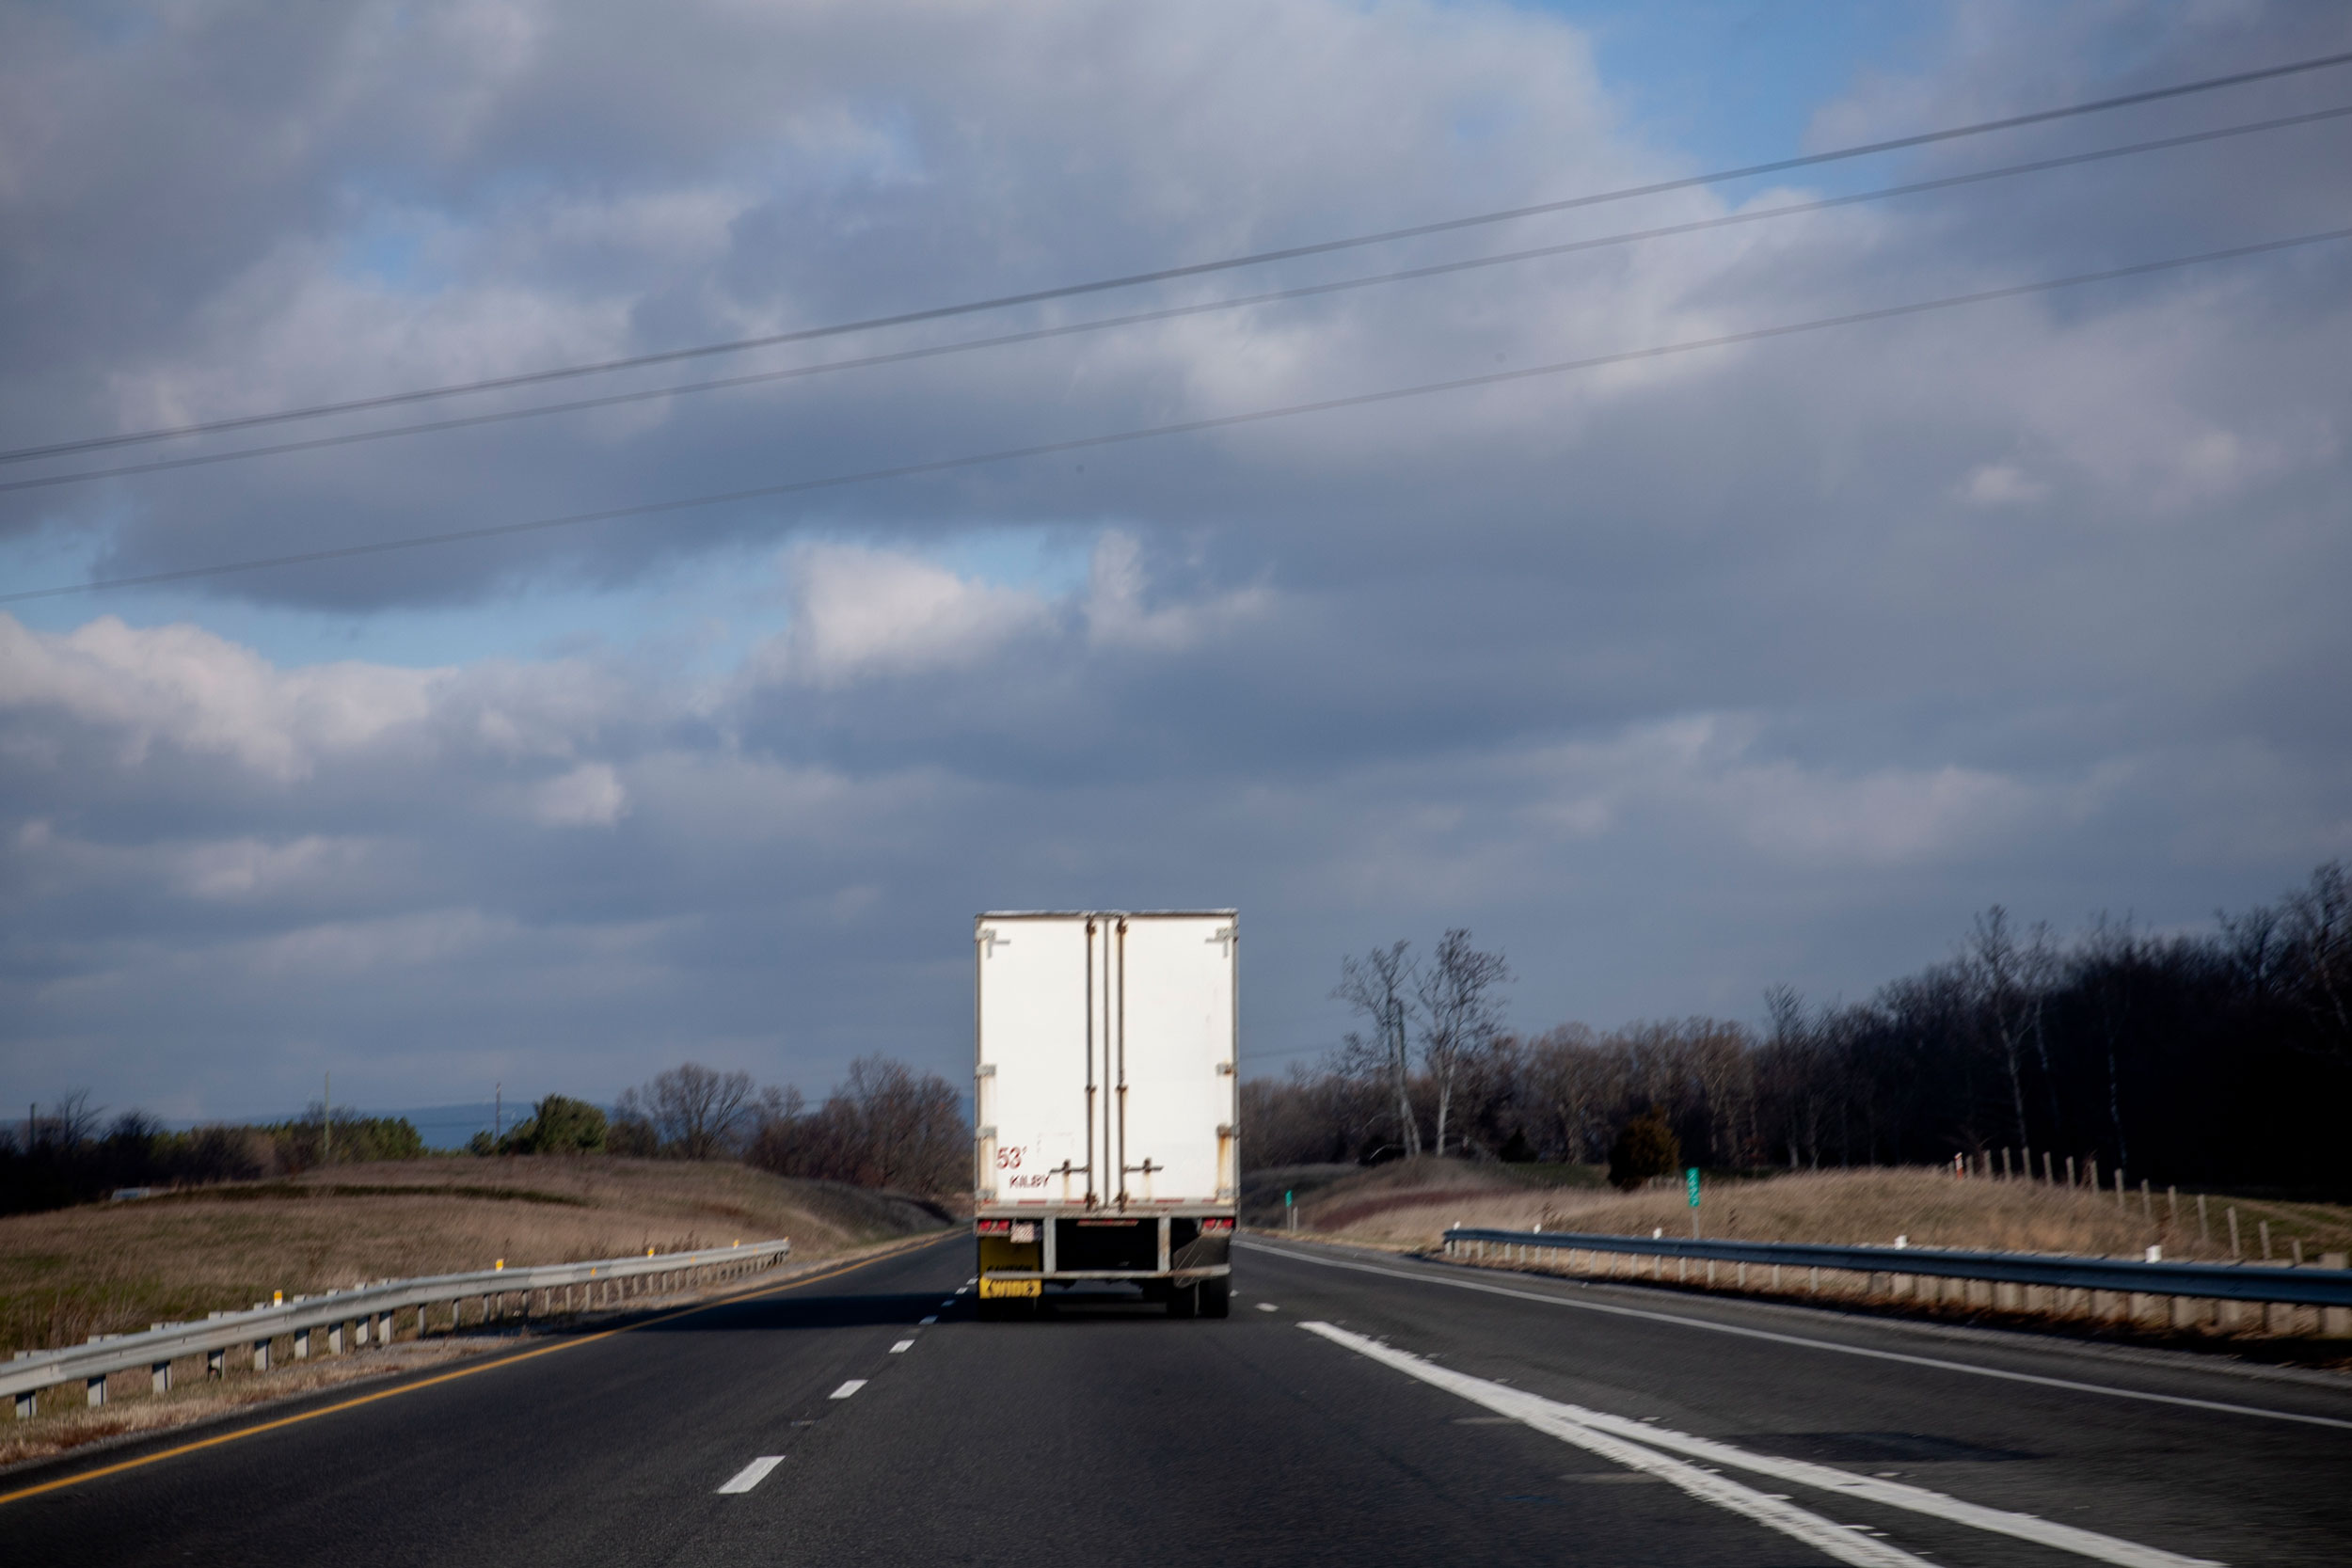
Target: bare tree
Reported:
[(1576, 1082), (911, 1127), (1379, 986), (2318, 932), (1460, 1013), (70, 1121), (1995, 965), (695, 1111)]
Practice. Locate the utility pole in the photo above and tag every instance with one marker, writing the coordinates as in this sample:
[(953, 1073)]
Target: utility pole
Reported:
[(497, 1113), (327, 1118)]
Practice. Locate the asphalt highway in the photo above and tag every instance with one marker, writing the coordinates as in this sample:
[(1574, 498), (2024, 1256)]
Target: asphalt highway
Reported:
[(1353, 1410)]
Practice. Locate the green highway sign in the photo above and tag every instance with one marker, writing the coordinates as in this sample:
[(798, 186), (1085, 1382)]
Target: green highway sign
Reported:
[(1691, 1179)]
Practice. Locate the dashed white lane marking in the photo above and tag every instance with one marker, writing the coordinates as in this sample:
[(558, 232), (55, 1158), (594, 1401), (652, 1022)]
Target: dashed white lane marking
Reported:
[(751, 1475), (902, 1347), (961, 1288), (927, 1321), (1266, 1306), (1574, 1424), (848, 1388), (1936, 1362), (1822, 1535)]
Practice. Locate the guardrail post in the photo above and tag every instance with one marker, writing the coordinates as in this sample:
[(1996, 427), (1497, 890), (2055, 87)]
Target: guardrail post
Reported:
[(260, 1356), (334, 1339), (302, 1344), (161, 1373), (27, 1405), (216, 1364), (2334, 1319), (97, 1386), (385, 1327)]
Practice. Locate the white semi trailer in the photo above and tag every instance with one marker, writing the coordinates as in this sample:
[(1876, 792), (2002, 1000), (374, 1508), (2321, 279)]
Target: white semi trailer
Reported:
[(1104, 1104)]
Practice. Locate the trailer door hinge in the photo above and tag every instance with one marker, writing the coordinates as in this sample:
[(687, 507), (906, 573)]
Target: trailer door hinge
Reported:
[(1224, 1069), (988, 1070), (985, 1132)]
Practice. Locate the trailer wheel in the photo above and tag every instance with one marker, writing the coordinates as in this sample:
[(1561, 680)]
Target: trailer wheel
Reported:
[(1216, 1296), (1184, 1301)]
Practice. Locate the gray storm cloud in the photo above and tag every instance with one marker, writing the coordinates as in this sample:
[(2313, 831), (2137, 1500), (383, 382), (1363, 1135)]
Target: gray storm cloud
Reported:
[(1672, 679)]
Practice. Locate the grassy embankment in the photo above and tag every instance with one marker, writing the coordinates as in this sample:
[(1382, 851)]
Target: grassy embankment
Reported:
[(116, 1268), (1410, 1204)]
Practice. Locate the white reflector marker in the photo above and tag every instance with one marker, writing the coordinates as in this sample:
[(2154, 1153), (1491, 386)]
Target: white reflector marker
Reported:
[(848, 1388), (751, 1475), (1606, 1435)]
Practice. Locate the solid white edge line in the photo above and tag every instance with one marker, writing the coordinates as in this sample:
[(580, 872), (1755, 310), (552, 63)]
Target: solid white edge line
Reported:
[(751, 1475), (902, 1347), (848, 1388), (1918, 1499), (1831, 1540), (1937, 1362)]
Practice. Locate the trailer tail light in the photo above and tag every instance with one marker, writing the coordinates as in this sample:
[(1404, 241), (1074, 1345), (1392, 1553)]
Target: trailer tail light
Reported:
[(1211, 1228), (993, 1228)]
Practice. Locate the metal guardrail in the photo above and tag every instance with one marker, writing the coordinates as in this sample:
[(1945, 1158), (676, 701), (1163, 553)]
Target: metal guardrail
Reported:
[(215, 1336), (2266, 1283)]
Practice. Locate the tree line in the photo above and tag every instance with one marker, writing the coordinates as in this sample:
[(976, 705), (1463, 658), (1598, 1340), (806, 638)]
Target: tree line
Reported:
[(885, 1125), (2214, 1058), (72, 1153)]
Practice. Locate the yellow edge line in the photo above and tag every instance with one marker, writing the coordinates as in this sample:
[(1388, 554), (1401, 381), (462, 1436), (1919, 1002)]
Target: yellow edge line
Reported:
[(491, 1365)]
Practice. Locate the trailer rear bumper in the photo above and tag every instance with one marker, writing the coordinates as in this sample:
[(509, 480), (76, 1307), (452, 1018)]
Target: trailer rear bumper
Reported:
[(1151, 1250)]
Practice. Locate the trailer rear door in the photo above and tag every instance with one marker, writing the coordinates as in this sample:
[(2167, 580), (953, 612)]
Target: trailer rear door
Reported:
[(1174, 1065)]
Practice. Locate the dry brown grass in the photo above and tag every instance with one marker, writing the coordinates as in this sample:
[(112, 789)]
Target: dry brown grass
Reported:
[(117, 1268), (1837, 1207)]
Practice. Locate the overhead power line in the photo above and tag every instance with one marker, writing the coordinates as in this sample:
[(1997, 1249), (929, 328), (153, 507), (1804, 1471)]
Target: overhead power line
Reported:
[(1194, 269), (1222, 421), (1437, 269)]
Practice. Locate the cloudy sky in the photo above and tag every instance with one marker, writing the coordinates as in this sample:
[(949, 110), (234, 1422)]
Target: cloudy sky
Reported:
[(1673, 677)]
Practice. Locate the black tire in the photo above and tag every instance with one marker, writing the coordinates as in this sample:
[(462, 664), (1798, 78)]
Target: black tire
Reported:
[(1216, 1296), (1184, 1302)]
